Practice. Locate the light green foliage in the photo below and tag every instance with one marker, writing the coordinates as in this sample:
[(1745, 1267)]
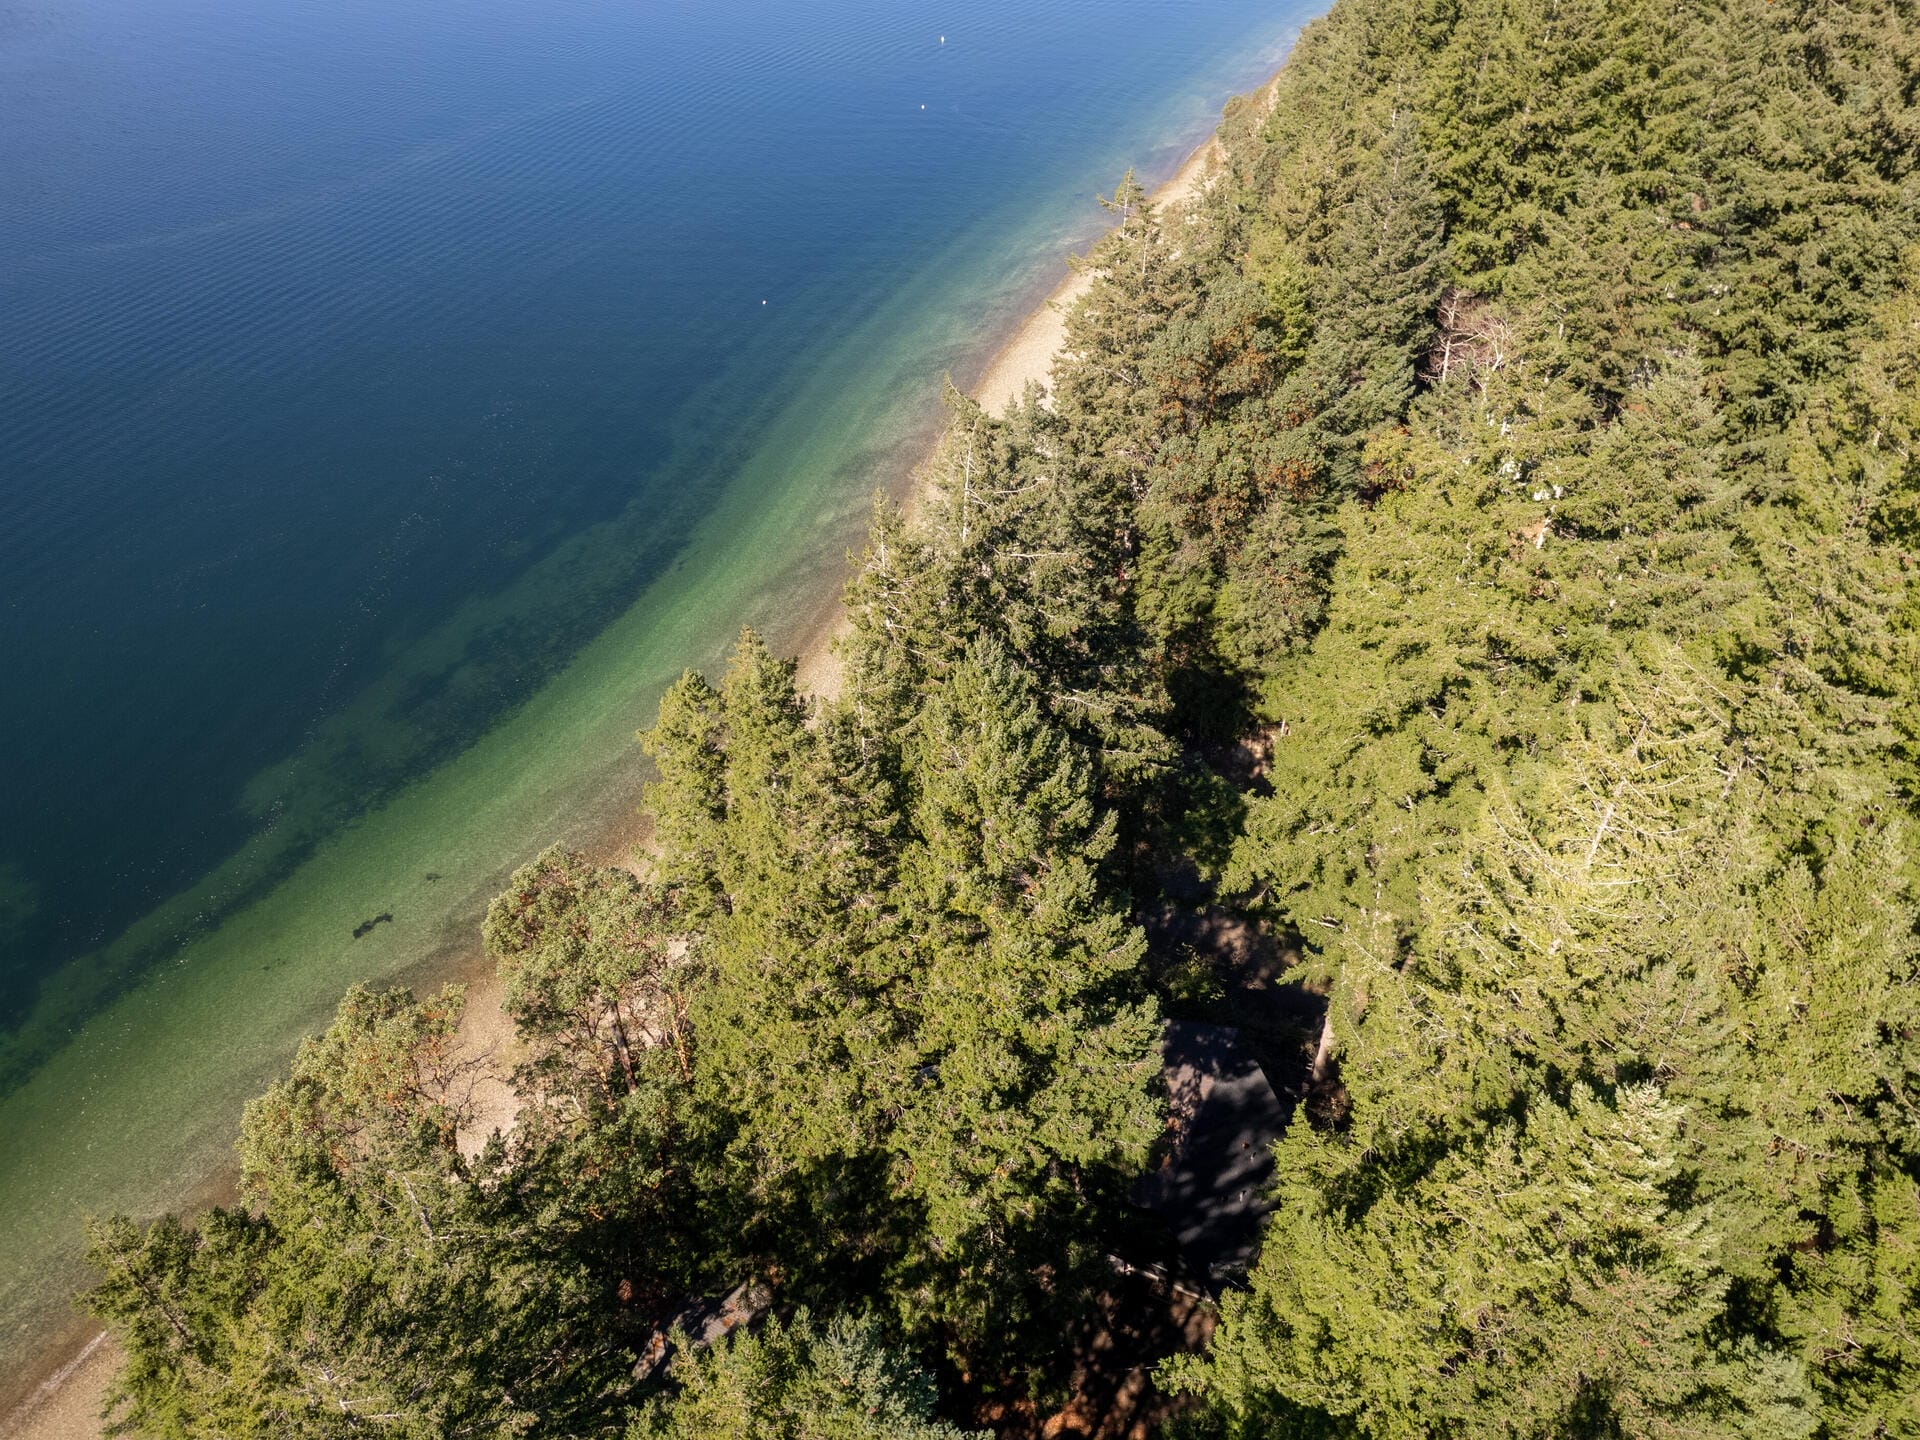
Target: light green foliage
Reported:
[(1519, 543), (797, 1381), (597, 976), (172, 1294), (1519, 431), (383, 1281)]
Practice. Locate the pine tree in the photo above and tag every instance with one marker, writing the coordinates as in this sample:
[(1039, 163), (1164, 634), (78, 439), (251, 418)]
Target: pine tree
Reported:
[(596, 974), (787, 830), (1522, 1188), (1017, 539)]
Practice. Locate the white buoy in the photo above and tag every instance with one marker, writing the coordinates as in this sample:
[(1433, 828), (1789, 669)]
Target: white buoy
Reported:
[(943, 39), (923, 107)]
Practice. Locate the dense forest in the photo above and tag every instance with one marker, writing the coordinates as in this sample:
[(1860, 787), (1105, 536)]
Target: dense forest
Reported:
[(1468, 553)]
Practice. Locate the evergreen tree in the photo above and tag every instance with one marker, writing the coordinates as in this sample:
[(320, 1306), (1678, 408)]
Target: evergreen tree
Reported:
[(1018, 539), (1522, 1188), (382, 1280), (943, 1100), (797, 1381), (786, 831), (595, 975), (1025, 1103)]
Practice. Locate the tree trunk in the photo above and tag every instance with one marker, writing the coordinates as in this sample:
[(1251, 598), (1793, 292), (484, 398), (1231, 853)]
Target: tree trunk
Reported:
[(1323, 1053)]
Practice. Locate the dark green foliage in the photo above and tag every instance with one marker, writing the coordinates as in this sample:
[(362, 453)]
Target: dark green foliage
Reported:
[(1595, 758), (1018, 539), (792, 1024), (921, 1047), (1025, 1098), (172, 1292)]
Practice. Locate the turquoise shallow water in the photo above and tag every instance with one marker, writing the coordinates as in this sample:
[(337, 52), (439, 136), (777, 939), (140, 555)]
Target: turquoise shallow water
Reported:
[(393, 397)]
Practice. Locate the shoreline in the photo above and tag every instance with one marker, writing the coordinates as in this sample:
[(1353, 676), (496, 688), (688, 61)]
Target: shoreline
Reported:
[(1026, 354), (63, 1394), (1029, 353)]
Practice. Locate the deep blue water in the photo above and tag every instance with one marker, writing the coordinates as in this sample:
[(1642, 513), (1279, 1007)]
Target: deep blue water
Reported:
[(324, 321), (375, 375)]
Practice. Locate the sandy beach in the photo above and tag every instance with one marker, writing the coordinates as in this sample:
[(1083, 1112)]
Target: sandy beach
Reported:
[(1028, 355), (66, 1404), (67, 1400)]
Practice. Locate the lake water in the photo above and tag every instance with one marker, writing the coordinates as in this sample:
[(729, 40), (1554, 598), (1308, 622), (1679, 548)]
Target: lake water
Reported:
[(394, 395)]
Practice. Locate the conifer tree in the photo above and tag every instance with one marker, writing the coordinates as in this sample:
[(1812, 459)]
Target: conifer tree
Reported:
[(595, 973), (382, 1279), (786, 830), (797, 1380), (1522, 1187), (1026, 1100), (943, 1099), (1018, 539)]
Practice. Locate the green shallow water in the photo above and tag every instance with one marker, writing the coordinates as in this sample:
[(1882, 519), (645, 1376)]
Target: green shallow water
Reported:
[(139, 1110), (760, 491)]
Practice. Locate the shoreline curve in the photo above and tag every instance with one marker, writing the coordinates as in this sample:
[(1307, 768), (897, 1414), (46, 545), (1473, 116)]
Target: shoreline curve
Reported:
[(1026, 355), (67, 1388)]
